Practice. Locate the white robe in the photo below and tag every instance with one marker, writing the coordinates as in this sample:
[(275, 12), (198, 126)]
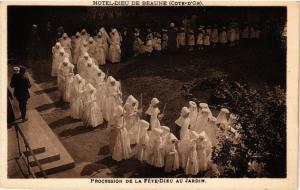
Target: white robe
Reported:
[(206, 41), (154, 121), (100, 86), (121, 149), (192, 167), (69, 83), (157, 45), (92, 50), (211, 132), (171, 158), (65, 74), (114, 52), (84, 38), (157, 159), (143, 148), (223, 37), (193, 117), (82, 62), (115, 49), (110, 102), (164, 43), (149, 46), (138, 47), (132, 122), (202, 121), (214, 36), (76, 49), (88, 73), (200, 39), (232, 35), (106, 41), (204, 154), (184, 124), (180, 39), (77, 99), (56, 62), (183, 149), (93, 112), (191, 40), (66, 44), (100, 51)]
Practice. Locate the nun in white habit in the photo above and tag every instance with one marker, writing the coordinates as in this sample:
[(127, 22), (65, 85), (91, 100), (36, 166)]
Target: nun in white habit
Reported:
[(82, 62), (110, 100), (203, 106), (114, 48), (202, 120), (183, 122), (65, 42), (193, 114), (65, 74), (100, 50), (84, 48), (92, 48), (132, 118), (84, 36), (157, 158), (222, 117), (143, 146), (77, 97), (88, 71), (154, 113), (166, 133), (100, 86), (171, 154), (59, 59), (85, 98), (55, 58), (93, 112), (211, 130), (204, 150), (121, 148), (192, 167), (184, 147), (76, 44), (106, 41)]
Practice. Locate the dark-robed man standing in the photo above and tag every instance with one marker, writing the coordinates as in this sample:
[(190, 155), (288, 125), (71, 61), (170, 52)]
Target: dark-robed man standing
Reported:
[(21, 84)]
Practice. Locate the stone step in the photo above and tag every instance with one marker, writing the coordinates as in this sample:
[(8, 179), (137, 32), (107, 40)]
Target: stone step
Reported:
[(33, 132), (44, 158), (54, 167), (53, 145), (35, 151)]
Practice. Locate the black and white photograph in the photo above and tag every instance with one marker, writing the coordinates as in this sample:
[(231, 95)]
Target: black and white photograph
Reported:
[(149, 92)]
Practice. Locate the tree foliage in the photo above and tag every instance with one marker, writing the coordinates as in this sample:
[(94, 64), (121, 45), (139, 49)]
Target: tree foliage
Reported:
[(261, 147)]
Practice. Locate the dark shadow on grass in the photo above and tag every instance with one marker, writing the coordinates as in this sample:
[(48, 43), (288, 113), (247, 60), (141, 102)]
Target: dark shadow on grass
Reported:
[(76, 131), (62, 122), (57, 104), (48, 106), (104, 150), (89, 169), (47, 90)]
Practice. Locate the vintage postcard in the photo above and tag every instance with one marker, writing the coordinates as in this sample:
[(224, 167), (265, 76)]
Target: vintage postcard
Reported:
[(162, 94)]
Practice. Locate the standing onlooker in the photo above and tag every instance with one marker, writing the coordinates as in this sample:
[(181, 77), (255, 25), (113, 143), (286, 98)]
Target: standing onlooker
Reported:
[(10, 112), (21, 84), (34, 44)]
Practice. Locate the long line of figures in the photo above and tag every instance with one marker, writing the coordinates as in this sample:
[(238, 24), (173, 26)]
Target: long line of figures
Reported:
[(95, 97), (106, 47)]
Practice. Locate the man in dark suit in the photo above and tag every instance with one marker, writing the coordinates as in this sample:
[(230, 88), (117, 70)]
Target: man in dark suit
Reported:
[(21, 84)]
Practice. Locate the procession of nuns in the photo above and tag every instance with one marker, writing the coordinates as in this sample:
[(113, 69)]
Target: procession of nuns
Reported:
[(96, 98)]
